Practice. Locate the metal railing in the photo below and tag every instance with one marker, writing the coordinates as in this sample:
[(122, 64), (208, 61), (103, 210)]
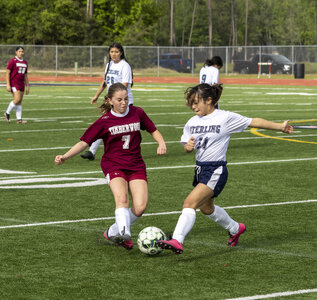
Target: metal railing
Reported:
[(91, 60)]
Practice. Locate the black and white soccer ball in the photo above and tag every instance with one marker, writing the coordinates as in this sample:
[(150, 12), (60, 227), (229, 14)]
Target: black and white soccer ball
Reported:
[(147, 240)]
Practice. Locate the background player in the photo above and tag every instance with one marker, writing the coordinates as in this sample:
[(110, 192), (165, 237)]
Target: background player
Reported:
[(209, 73), (117, 70), (209, 133), (121, 162), (17, 80)]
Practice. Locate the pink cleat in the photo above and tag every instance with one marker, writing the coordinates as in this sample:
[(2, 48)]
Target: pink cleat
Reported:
[(172, 244), (122, 241), (234, 239)]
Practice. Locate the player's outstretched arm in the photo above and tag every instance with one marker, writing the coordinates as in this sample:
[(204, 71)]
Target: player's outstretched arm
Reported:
[(101, 88), (265, 124), (161, 149), (76, 149)]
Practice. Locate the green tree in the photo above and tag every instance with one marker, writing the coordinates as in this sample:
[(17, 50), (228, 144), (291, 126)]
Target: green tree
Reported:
[(147, 22)]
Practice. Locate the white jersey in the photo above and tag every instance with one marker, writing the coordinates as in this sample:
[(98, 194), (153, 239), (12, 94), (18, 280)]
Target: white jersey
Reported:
[(209, 74), (212, 133), (119, 72)]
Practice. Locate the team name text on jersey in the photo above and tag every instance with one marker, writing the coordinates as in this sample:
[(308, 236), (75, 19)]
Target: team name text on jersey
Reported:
[(124, 128), (113, 72), (205, 129)]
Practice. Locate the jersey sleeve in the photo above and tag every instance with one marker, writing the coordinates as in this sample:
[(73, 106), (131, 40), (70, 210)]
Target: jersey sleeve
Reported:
[(237, 123), (94, 132), (215, 78), (126, 73), (146, 123), (186, 134), (201, 76), (10, 64)]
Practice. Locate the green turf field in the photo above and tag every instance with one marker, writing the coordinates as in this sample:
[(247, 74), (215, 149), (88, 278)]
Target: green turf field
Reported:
[(52, 218)]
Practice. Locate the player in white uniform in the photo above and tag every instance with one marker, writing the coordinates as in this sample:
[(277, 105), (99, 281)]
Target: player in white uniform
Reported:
[(208, 133), (209, 73), (117, 70)]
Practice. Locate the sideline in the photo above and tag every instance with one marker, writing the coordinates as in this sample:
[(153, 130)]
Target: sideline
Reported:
[(150, 214)]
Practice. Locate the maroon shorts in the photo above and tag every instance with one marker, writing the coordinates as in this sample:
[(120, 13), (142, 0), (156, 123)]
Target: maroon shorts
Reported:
[(15, 88), (127, 175)]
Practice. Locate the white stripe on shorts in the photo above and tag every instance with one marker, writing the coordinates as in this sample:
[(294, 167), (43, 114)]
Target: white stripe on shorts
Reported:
[(212, 182)]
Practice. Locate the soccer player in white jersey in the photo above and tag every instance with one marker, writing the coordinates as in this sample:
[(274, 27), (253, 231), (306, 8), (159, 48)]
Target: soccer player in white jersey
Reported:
[(208, 133), (117, 70), (209, 73)]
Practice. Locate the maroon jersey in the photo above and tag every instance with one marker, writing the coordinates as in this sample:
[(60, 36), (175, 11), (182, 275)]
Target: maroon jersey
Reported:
[(122, 138), (18, 68)]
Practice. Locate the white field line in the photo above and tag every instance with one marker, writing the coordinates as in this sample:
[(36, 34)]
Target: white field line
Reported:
[(148, 143), (169, 167), (274, 295), (150, 214), (43, 130), (180, 113)]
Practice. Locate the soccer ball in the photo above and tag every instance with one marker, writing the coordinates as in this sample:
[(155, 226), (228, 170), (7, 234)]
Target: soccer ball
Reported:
[(147, 240)]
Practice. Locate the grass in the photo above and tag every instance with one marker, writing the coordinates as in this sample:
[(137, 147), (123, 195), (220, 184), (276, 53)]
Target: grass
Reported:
[(70, 259)]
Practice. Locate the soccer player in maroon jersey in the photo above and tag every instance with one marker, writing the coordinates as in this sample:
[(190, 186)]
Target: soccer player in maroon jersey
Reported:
[(17, 81), (122, 163)]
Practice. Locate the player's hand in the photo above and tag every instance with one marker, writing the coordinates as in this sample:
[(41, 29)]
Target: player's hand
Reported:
[(190, 145), (8, 88), (59, 159), (161, 150), (286, 128), (93, 100), (27, 91)]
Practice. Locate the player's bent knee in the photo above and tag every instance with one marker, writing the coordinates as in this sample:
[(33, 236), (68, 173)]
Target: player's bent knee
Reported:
[(139, 211), (206, 210)]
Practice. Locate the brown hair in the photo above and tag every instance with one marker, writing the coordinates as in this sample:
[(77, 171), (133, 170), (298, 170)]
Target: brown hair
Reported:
[(105, 106), (203, 91)]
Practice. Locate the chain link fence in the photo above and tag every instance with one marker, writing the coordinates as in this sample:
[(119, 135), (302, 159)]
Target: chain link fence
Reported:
[(147, 61)]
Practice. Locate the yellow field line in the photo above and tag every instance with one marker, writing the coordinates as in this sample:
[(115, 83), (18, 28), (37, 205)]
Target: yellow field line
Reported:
[(255, 132)]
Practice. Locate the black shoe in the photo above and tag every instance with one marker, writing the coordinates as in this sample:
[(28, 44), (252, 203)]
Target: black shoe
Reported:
[(88, 155), (7, 116)]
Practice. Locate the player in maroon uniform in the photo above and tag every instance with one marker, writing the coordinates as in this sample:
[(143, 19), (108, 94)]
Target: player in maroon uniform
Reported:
[(17, 80), (120, 128)]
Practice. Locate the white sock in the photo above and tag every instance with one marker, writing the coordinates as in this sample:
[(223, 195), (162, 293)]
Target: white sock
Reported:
[(123, 221), (221, 217), (94, 146), (10, 107), (133, 217), (114, 230), (18, 111), (184, 224)]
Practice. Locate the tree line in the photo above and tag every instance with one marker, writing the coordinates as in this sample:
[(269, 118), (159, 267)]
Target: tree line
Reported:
[(159, 22)]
